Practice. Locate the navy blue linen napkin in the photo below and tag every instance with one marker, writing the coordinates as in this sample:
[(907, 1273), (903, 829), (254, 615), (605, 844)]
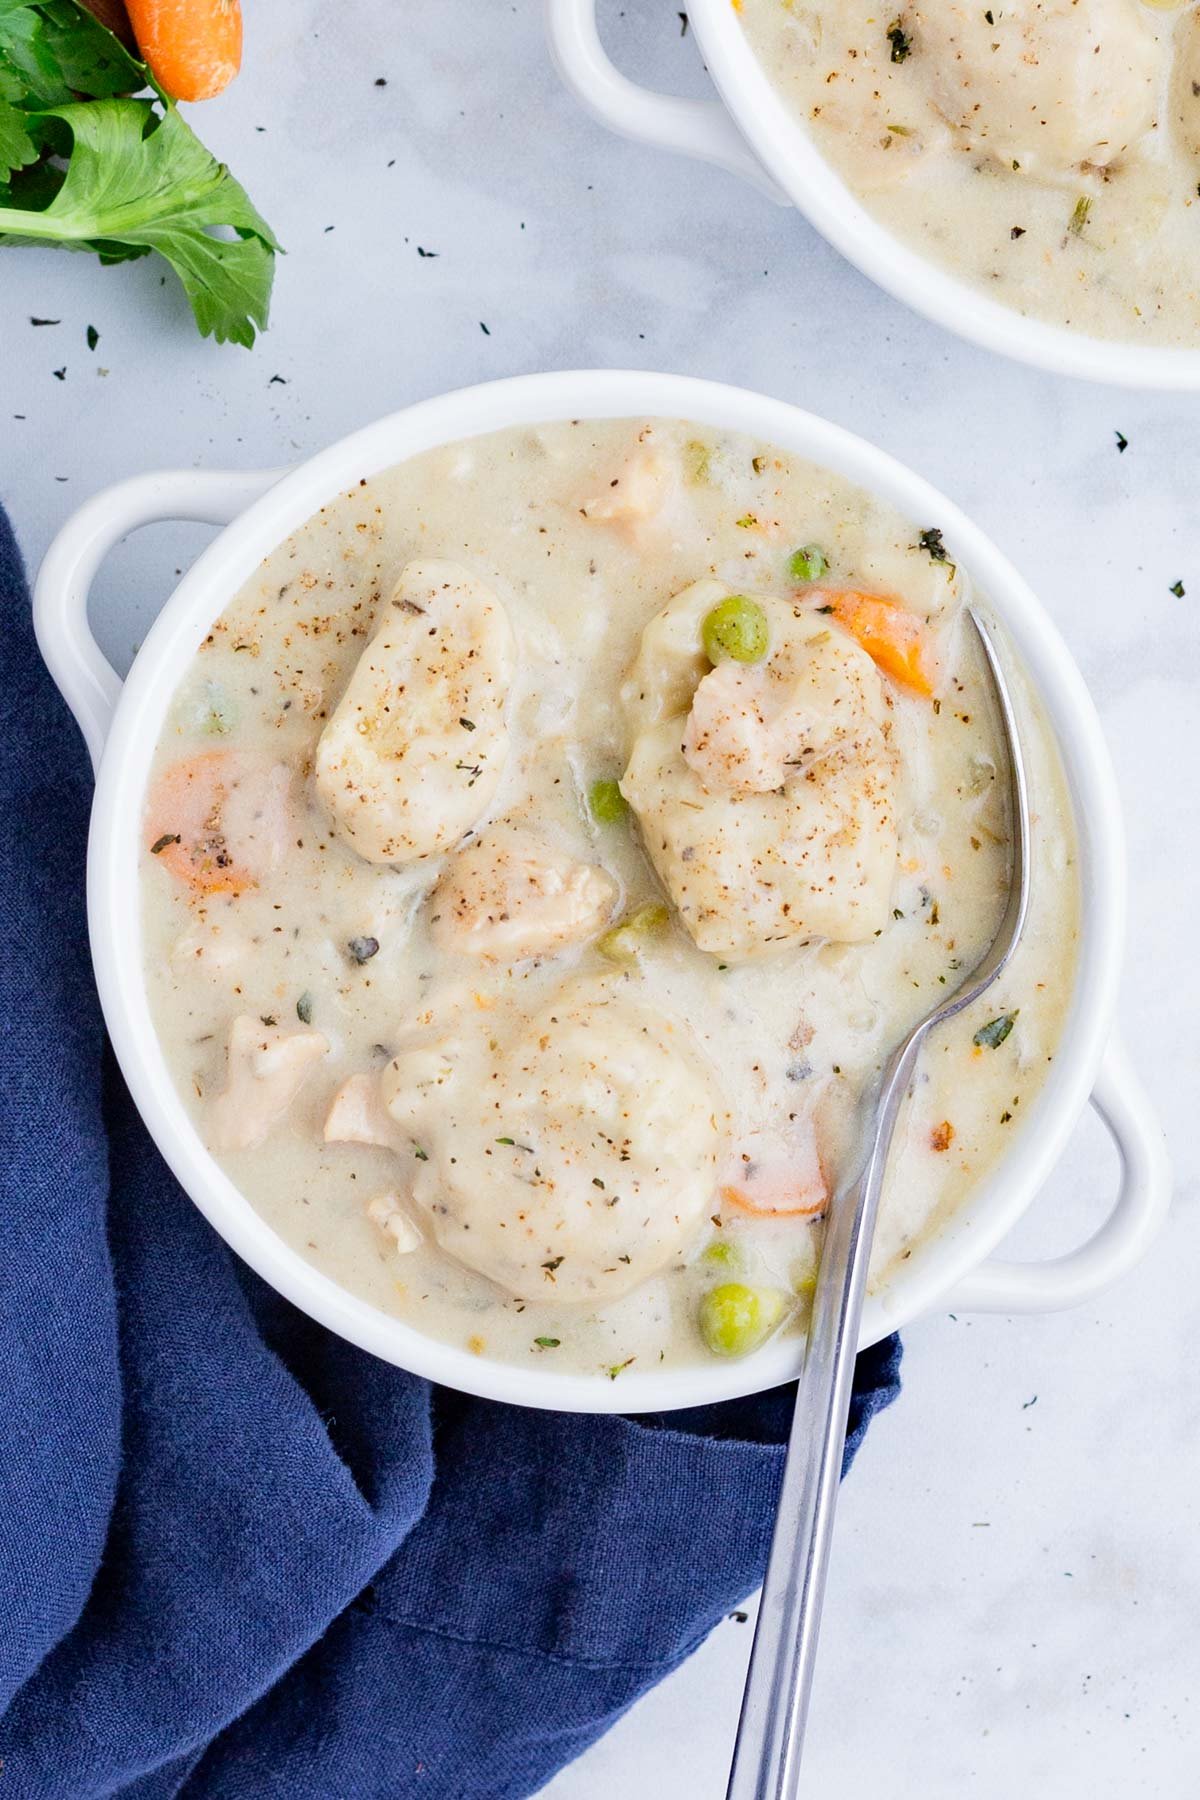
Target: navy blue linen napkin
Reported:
[(239, 1558)]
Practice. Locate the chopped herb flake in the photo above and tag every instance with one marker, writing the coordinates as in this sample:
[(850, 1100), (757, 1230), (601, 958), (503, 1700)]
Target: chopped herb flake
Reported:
[(696, 461), (993, 1034), (555, 1262), (362, 949), (900, 41), (1079, 216), (304, 1009), (421, 1155), (1178, 589), (547, 1343), (168, 837)]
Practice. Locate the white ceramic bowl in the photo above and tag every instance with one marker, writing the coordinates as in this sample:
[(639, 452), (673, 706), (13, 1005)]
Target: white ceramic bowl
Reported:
[(753, 132), (122, 726)]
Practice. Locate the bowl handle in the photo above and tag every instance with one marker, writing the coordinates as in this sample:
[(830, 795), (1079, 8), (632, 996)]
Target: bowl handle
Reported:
[(1124, 1237), (83, 675), (700, 128)]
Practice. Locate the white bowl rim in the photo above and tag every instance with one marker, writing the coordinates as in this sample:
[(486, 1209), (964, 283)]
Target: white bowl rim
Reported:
[(232, 557), (788, 151)]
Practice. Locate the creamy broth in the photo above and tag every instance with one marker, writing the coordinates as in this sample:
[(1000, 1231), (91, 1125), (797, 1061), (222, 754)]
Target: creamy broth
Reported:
[(1047, 151), (461, 947)]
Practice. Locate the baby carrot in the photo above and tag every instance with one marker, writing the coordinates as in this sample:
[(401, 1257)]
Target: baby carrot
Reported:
[(892, 636), (194, 47)]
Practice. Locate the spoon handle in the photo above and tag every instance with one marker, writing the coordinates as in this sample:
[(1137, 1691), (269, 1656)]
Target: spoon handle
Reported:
[(766, 1757)]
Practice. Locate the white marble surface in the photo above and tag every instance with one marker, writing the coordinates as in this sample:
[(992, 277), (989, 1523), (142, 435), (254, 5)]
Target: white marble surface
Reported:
[(1016, 1588)]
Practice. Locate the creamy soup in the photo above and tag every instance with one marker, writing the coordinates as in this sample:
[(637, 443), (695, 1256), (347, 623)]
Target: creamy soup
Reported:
[(544, 850), (1047, 151)]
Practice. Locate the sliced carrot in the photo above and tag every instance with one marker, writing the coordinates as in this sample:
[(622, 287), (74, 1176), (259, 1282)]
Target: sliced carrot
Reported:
[(777, 1174), (892, 635), (741, 1201), (220, 820), (194, 47)]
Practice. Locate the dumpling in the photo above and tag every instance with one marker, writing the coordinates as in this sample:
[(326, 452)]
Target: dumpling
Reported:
[(412, 757), (765, 792), (510, 895), (1048, 85), (581, 1161)]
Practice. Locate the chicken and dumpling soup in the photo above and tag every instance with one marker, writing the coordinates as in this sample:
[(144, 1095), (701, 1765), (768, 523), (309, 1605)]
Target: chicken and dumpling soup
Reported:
[(545, 849), (1047, 151)]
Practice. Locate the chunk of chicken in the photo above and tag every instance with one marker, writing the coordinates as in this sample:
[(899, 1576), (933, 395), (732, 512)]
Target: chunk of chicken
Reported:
[(584, 1163), (640, 491), (511, 895), (1042, 85), (768, 804), (874, 119), (357, 1115), (388, 1212), (267, 1068), (411, 759)]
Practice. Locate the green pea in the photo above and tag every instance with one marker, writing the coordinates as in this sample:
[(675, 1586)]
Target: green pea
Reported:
[(736, 630), (720, 1251), (808, 564), (607, 802), (735, 1319), (626, 941)]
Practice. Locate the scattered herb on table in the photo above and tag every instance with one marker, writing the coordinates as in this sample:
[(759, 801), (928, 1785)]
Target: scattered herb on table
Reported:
[(993, 1034), (1122, 442), (1178, 589), (94, 156), (900, 41)]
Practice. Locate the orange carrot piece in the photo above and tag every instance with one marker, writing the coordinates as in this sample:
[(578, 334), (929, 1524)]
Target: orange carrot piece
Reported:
[(893, 636), (219, 820), (194, 47), (740, 1200)]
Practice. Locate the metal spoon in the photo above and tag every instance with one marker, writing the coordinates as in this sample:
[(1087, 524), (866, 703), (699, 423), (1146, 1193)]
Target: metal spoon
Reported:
[(766, 1757)]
